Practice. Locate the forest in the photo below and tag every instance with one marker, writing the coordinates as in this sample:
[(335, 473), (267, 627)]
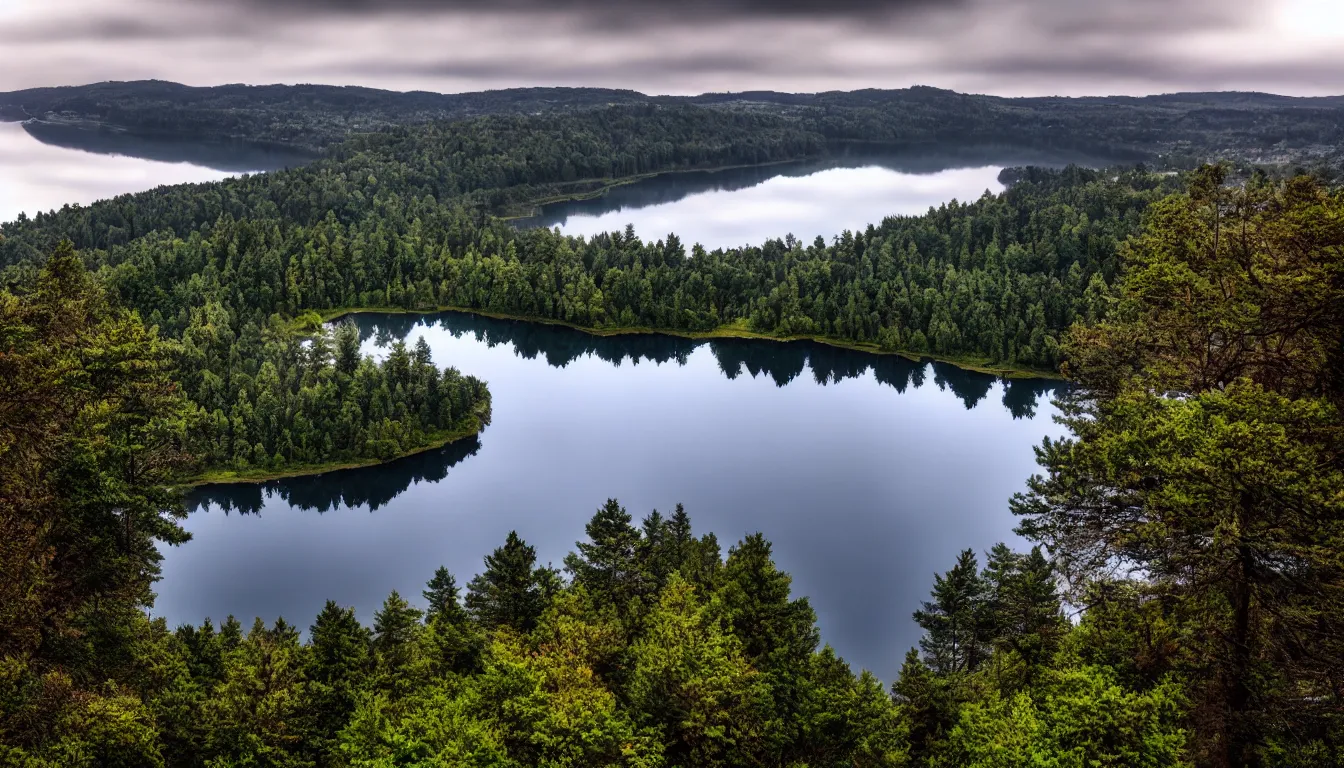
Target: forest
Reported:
[(405, 220), (1188, 611), (1183, 128), (1182, 602)]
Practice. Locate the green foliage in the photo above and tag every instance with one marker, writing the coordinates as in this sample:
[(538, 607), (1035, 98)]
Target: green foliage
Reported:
[(1079, 718), (956, 628), (401, 220), (512, 591), (1195, 508), (267, 400), (692, 683), (1205, 458), (336, 669), (606, 565)]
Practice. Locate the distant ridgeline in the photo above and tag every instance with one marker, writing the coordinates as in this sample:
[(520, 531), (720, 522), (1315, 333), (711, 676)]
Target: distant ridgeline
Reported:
[(1251, 127)]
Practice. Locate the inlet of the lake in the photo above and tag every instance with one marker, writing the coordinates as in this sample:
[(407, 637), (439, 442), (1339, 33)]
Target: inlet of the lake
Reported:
[(746, 206), (46, 166), (868, 473)]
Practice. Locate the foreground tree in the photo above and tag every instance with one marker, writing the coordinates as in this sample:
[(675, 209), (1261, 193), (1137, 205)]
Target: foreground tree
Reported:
[(1207, 454), (512, 591)]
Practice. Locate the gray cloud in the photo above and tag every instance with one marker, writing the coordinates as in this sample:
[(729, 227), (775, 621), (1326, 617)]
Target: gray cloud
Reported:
[(625, 8), (1013, 47)]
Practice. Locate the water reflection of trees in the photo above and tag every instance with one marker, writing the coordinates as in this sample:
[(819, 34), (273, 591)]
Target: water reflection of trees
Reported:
[(374, 486), (231, 157), (914, 159), (780, 362)]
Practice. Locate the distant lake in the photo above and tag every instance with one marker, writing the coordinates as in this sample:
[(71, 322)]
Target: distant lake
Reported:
[(822, 198), (869, 474), (45, 166)]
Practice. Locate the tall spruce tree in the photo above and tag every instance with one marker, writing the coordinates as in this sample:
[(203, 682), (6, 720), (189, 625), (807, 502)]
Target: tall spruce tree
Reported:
[(512, 591), (1206, 453), (336, 669), (606, 565), (778, 633), (398, 655), (441, 594), (1023, 612), (955, 622), (928, 705)]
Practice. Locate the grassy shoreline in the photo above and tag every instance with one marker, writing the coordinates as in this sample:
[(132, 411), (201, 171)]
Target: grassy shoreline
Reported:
[(233, 477), (732, 331)]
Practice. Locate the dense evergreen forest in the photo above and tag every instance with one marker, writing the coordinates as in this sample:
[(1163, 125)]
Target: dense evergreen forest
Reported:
[(1192, 522), (403, 219)]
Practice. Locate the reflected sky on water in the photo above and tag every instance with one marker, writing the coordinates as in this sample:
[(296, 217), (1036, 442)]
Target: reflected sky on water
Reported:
[(869, 473)]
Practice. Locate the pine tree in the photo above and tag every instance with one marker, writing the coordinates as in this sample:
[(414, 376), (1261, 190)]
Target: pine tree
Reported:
[(396, 645), (512, 591), (347, 348), (442, 595), (454, 642), (1205, 450), (690, 681), (927, 704), (778, 634), (654, 555), (337, 666), (955, 623), (606, 565)]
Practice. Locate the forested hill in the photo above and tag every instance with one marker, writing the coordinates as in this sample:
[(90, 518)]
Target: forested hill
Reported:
[(307, 116), (1247, 126), (401, 219)]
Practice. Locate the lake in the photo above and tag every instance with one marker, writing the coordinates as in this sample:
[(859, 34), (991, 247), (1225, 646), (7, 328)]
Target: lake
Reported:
[(868, 473), (821, 198), (45, 166)]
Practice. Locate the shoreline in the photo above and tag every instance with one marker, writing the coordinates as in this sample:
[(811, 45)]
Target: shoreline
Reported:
[(235, 477), (533, 207), (722, 332)]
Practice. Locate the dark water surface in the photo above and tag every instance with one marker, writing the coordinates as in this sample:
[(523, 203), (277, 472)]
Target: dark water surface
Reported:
[(869, 473)]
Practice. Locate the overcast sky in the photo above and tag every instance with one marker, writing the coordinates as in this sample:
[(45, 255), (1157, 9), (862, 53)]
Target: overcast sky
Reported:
[(1007, 47)]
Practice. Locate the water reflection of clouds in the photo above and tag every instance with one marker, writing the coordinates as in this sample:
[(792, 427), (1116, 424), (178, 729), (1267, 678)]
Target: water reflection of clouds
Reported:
[(823, 203), (41, 177), (862, 469)]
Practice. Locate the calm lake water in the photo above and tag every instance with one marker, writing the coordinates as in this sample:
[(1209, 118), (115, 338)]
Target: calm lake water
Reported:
[(869, 473), (746, 206), (43, 166)]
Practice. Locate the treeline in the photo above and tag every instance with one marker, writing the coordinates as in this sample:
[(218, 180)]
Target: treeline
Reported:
[(782, 363), (1188, 127), (488, 161), (306, 116), (280, 402), (257, 397), (1194, 514), (388, 224), (650, 648)]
